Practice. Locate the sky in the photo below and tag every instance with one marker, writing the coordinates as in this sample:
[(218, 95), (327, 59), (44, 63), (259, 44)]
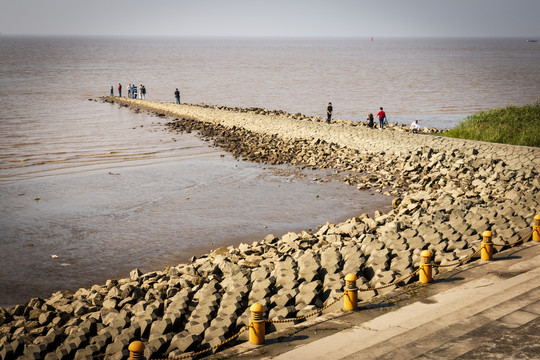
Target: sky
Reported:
[(272, 18)]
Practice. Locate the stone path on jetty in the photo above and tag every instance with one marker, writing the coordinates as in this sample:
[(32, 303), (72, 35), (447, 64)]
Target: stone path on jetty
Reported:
[(447, 192), (354, 137)]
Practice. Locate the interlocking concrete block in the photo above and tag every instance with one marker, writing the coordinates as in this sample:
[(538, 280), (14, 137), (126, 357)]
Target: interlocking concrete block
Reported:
[(401, 265), (409, 233), (76, 341), (116, 347), (394, 242), (310, 293), (351, 268), (101, 341), (195, 328), (135, 274), (86, 353), (377, 259), (34, 351), (383, 278), (205, 308), (258, 296), (461, 254), (330, 294), (214, 342), (370, 271), (215, 331), (160, 327), (444, 257), (416, 243), (286, 280), (67, 349), (46, 317), (155, 308), (264, 285), (145, 323), (279, 313), (456, 245), (259, 274), (201, 318), (441, 247), (330, 261), (183, 342), (49, 356), (333, 281), (282, 299), (157, 345)]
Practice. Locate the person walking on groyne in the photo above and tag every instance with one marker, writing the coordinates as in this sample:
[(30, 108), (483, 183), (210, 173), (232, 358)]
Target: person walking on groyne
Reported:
[(129, 91), (119, 90), (177, 96), (112, 90), (329, 111), (382, 116)]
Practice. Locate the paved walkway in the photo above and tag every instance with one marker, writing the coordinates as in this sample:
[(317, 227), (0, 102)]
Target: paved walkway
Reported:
[(482, 310)]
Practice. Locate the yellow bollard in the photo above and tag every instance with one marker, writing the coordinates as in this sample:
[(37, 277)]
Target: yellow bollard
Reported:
[(257, 325), (487, 246), (136, 350), (536, 228), (350, 300), (426, 273)]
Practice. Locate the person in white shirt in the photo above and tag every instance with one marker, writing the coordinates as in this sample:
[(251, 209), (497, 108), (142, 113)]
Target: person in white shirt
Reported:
[(414, 126)]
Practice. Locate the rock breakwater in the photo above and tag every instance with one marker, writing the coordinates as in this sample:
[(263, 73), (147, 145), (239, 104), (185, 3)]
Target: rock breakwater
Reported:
[(447, 192)]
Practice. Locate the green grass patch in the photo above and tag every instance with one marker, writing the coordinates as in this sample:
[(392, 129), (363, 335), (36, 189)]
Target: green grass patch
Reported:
[(515, 125)]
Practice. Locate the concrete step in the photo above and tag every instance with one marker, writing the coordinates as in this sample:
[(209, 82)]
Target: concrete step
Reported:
[(520, 343), (468, 334), (442, 323)]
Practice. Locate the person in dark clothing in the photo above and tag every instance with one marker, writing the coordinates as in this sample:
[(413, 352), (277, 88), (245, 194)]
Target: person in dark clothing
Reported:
[(177, 96), (112, 91), (370, 120), (329, 112), (143, 92)]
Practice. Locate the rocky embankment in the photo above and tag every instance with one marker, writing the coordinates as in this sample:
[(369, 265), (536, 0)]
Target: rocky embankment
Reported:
[(447, 192)]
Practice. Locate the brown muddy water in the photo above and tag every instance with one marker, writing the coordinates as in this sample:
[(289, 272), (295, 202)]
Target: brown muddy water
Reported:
[(155, 200)]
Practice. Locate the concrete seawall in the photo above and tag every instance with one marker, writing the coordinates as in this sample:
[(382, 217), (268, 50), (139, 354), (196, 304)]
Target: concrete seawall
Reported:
[(447, 192)]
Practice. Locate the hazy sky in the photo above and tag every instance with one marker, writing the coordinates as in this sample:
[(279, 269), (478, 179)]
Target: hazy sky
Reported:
[(384, 18)]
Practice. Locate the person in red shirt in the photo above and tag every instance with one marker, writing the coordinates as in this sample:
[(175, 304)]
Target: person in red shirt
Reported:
[(119, 90), (382, 116)]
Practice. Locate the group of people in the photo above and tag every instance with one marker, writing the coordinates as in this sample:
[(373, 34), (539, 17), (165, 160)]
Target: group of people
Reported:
[(132, 91), (381, 115), (382, 119), (370, 119)]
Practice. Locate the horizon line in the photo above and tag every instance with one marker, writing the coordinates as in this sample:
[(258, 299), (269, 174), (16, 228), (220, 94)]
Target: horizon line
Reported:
[(272, 36)]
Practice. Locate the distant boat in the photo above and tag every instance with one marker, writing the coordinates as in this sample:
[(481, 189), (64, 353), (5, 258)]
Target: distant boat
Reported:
[(531, 40)]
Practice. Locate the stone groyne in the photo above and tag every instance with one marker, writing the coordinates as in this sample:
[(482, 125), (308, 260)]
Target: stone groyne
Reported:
[(447, 192)]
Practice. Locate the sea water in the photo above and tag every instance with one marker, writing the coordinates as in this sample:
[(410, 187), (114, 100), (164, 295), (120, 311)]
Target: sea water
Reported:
[(89, 191)]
